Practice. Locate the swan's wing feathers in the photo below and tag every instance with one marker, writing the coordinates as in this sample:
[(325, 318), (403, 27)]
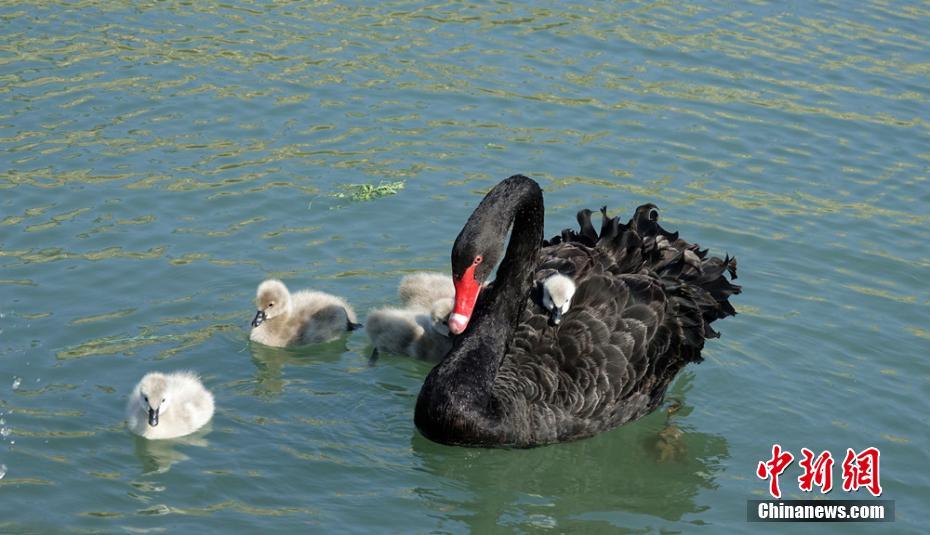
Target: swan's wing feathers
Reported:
[(611, 227), (621, 251), (587, 229), (530, 332), (598, 296), (570, 259), (596, 358), (695, 283), (672, 237), (653, 294), (644, 303), (585, 235), (555, 240)]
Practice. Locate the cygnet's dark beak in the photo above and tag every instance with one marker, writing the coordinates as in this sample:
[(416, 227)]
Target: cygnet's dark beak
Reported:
[(153, 417), (259, 318), (555, 316)]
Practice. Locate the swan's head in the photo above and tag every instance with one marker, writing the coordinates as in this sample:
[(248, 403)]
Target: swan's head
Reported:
[(470, 269), (557, 292), (477, 250), (152, 396), (439, 313), (271, 299), (480, 246)]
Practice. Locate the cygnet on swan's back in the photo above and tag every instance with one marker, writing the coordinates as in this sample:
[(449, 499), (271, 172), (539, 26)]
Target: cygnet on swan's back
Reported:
[(305, 317), (168, 405), (420, 290), (557, 292), (412, 332)]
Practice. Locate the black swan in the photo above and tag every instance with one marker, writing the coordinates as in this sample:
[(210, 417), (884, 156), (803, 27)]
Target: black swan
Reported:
[(644, 303)]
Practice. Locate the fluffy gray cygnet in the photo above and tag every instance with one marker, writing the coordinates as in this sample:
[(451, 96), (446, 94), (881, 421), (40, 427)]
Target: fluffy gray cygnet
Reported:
[(305, 317), (409, 331), (422, 289)]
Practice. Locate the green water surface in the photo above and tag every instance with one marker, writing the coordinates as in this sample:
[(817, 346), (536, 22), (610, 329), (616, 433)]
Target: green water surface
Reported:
[(159, 159)]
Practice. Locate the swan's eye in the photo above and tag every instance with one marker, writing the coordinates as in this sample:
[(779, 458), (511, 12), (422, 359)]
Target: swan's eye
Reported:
[(653, 214), (479, 259), (146, 398), (162, 400)]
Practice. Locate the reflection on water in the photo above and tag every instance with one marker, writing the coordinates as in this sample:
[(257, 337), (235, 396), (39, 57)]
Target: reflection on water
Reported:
[(158, 456), (669, 444), (270, 362), (610, 478)]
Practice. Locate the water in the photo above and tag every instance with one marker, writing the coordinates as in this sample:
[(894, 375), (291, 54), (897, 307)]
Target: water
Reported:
[(158, 160)]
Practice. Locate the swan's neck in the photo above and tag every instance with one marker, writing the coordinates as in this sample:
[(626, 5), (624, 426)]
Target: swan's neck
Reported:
[(462, 382), (503, 303), (498, 311)]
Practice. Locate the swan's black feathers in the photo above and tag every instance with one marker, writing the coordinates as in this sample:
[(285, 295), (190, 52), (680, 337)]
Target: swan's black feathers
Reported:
[(588, 234), (643, 307), (610, 227), (642, 310), (571, 259)]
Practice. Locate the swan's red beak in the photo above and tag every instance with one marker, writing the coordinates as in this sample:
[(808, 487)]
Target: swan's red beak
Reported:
[(466, 293)]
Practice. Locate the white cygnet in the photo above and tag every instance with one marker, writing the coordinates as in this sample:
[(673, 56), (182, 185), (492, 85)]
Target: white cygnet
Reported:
[(168, 405), (557, 292), (305, 317), (420, 290), (412, 332)]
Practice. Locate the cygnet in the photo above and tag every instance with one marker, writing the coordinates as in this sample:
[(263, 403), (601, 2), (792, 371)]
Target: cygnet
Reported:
[(168, 405), (422, 289), (557, 292), (412, 332), (305, 317)]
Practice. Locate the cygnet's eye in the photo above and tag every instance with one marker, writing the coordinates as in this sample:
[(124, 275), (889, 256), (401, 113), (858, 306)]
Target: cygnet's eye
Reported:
[(162, 400), (270, 305), (146, 398)]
